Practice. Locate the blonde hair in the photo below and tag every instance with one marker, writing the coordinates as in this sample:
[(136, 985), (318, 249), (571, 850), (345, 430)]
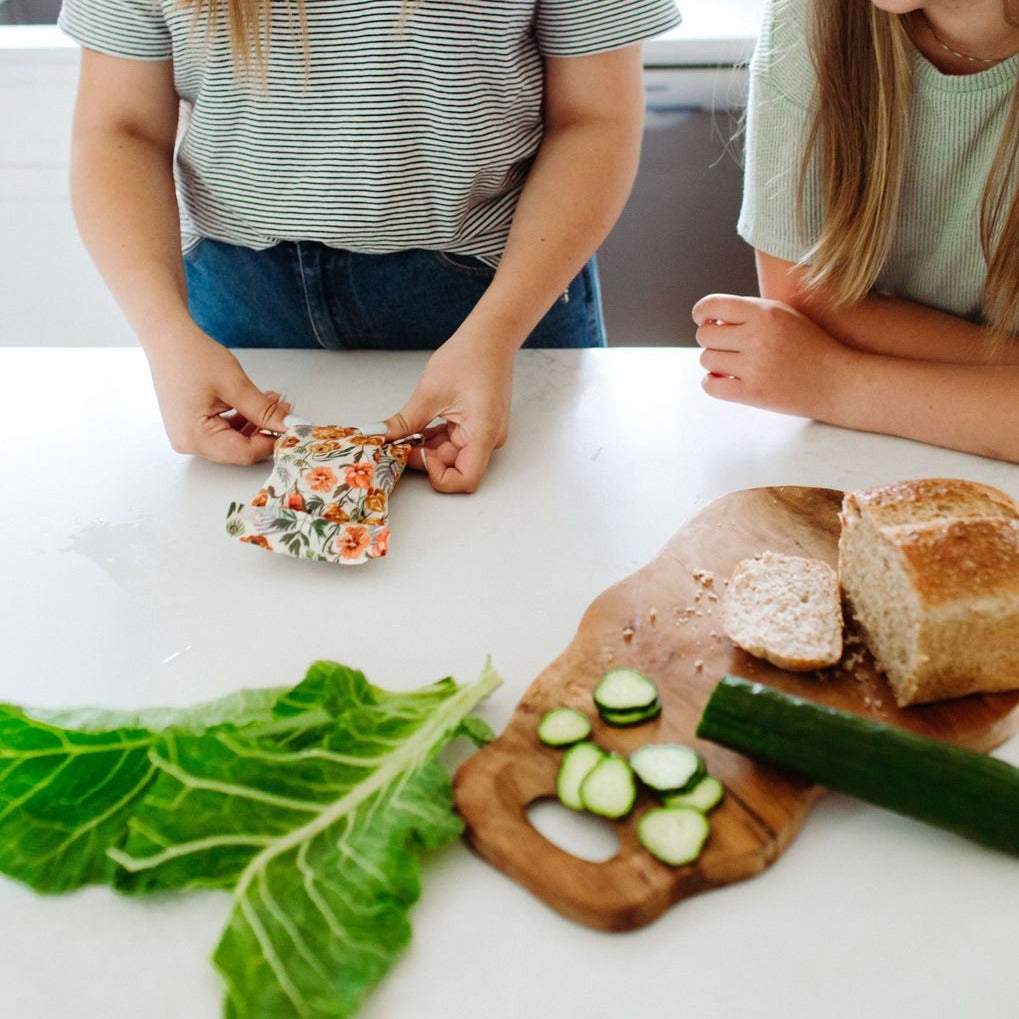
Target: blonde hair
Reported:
[(250, 24), (864, 63)]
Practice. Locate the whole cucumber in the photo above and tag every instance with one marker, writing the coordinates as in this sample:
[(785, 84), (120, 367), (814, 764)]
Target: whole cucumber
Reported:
[(944, 785)]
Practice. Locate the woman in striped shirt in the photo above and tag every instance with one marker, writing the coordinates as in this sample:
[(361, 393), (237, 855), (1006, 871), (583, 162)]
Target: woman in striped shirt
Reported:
[(366, 173)]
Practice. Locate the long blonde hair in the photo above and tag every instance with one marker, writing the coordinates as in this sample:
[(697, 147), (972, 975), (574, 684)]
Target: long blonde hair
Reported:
[(864, 63), (250, 22)]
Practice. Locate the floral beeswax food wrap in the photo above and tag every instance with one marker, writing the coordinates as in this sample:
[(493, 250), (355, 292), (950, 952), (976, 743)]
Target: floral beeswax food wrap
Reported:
[(327, 497)]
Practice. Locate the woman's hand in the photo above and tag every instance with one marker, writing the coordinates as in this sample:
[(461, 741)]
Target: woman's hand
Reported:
[(209, 405), (469, 383), (766, 354)]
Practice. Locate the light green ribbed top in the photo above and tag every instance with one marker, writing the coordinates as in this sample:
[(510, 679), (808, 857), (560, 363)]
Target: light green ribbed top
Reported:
[(955, 127)]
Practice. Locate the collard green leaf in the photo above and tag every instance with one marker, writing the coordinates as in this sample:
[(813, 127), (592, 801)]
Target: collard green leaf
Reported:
[(321, 844), (64, 798), (312, 804), (69, 780), (241, 707)]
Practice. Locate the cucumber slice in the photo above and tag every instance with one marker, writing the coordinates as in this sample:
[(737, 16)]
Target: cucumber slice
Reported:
[(634, 717), (576, 764), (609, 789), (963, 791), (674, 835), (624, 690), (667, 767), (704, 796), (561, 727)]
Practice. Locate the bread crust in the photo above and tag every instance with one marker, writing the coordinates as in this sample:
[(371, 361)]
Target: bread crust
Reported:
[(923, 499), (962, 562), (930, 572)]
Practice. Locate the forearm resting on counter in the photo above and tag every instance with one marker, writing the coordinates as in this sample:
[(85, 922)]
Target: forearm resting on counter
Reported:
[(881, 324), (968, 407)]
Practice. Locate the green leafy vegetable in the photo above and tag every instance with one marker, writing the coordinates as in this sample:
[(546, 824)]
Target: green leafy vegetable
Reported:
[(313, 805), (70, 779)]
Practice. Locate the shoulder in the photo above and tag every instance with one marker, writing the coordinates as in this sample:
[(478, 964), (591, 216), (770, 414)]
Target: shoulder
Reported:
[(570, 28), (782, 56), (783, 34), (123, 28)]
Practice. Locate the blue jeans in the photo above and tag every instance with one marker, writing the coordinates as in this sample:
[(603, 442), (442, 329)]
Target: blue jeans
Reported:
[(304, 294)]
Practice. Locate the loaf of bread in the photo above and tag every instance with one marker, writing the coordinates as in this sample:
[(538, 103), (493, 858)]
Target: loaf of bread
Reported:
[(930, 573), (786, 610)]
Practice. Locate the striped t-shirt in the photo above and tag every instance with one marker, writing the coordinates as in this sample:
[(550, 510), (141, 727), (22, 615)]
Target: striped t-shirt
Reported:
[(376, 134), (956, 122)]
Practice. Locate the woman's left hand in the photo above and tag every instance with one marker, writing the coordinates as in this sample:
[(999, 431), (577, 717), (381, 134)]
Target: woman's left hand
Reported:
[(467, 382), (767, 354)]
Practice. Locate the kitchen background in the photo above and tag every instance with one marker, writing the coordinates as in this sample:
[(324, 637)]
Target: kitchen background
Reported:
[(675, 241)]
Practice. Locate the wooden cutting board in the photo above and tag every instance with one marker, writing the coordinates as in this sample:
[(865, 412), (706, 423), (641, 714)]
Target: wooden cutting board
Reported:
[(666, 621)]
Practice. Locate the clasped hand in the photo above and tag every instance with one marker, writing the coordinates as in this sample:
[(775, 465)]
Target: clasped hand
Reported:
[(767, 354)]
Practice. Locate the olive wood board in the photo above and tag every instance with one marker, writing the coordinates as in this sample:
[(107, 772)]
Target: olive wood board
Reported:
[(666, 621)]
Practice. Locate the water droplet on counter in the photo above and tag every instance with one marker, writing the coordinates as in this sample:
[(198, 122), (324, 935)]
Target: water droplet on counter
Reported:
[(123, 550)]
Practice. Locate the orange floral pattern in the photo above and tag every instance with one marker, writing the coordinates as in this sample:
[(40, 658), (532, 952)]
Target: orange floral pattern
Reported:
[(321, 479), (327, 497), (359, 475)]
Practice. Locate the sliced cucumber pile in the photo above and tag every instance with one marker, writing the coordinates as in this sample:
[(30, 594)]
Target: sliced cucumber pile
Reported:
[(635, 716), (562, 727), (598, 781)]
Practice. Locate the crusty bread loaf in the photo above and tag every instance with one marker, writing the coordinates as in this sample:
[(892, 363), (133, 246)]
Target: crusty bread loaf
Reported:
[(930, 572), (785, 609)]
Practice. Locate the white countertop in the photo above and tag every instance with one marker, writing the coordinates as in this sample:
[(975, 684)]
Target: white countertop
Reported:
[(122, 589)]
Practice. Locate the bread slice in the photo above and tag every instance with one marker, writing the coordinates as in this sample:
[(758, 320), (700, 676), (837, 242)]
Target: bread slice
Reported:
[(930, 572), (785, 609)]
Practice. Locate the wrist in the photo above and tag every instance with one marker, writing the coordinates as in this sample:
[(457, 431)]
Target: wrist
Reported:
[(164, 337), (842, 384), (497, 336), (511, 308)]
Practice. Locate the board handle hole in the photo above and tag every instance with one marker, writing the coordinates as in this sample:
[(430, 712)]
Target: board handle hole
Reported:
[(585, 836)]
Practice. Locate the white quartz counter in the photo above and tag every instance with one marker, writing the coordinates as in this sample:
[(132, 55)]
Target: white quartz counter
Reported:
[(121, 588)]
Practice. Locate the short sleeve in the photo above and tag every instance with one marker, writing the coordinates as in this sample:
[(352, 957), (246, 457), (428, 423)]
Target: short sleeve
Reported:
[(119, 28), (778, 115), (568, 28)]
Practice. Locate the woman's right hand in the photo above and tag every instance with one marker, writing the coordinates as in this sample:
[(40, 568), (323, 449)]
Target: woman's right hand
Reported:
[(209, 405)]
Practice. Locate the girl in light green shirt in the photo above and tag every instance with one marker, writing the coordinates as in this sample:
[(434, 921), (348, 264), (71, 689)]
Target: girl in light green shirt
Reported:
[(880, 196)]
